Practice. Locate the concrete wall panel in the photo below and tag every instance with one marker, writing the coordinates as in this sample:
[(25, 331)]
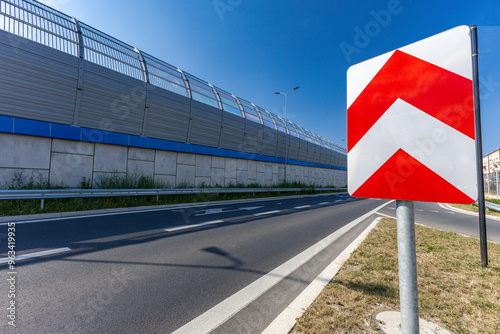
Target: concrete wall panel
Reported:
[(110, 158), (166, 163), (24, 152), (70, 169)]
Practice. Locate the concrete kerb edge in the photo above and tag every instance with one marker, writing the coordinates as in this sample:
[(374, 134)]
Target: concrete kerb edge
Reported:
[(470, 213), (286, 320), (138, 209)]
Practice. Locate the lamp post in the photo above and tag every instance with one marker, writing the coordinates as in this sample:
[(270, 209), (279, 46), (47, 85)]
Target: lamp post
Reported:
[(286, 125)]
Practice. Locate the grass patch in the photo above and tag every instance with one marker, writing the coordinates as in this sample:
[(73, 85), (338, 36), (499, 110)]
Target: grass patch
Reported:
[(474, 208), (134, 180), (20, 181), (30, 207), (454, 290)]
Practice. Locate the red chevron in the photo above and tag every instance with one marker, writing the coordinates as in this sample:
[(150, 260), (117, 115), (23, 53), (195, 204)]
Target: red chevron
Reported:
[(404, 177), (442, 94)]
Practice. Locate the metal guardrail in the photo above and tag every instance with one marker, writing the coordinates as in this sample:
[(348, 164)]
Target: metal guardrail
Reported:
[(492, 206), (80, 193)]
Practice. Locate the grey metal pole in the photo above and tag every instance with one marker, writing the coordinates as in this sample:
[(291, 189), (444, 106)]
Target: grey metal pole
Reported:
[(479, 150), (286, 124), (286, 127), (407, 261)]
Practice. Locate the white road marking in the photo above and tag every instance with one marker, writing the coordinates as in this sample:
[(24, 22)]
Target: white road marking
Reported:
[(37, 254), (209, 212), (382, 214), (192, 226), (419, 210), (224, 210), (338, 200), (153, 209), (435, 211), (391, 208), (223, 311), (266, 213), (324, 203), (287, 319), (252, 208), (302, 207)]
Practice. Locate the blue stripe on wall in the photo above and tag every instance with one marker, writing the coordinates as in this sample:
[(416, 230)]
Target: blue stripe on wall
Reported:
[(28, 127)]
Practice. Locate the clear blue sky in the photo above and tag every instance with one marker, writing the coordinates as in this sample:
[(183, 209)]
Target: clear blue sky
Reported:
[(253, 48)]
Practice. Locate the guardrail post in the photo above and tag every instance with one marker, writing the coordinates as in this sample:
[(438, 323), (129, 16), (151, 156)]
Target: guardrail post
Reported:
[(42, 204)]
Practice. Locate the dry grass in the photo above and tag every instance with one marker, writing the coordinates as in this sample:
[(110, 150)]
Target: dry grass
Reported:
[(474, 208), (454, 290)]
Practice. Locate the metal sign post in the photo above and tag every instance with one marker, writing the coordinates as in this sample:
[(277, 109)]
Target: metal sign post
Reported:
[(407, 258), (479, 150)]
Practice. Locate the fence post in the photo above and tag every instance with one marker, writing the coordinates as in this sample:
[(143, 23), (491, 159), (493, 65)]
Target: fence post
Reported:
[(81, 57), (496, 179)]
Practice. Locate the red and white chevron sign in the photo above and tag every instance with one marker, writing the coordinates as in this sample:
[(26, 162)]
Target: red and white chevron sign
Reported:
[(410, 122)]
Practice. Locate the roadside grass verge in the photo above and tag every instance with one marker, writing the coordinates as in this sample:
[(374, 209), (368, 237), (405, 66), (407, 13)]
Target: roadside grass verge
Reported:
[(454, 290), (474, 208), (30, 207), (133, 180)]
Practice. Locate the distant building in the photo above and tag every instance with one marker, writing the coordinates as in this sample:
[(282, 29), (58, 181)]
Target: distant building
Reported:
[(491, 162)]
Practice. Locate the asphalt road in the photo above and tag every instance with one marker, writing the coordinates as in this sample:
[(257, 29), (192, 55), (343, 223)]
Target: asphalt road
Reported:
[(154, 272), (229, 267), (449, 219)]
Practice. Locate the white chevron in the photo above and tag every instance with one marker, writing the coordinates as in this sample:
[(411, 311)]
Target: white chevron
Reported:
[(450, 50), (441, 148)]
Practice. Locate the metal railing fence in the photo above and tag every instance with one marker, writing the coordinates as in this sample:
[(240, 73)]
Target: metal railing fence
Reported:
[(491, 184), (42, 24)]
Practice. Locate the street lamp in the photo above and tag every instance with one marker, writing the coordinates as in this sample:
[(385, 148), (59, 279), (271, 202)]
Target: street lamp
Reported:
[(286, 125)]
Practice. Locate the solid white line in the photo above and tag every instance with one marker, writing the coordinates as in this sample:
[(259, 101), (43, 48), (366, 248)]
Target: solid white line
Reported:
[(266, 213), (37, 254), (382, 214), (221, 312), (192, 226), (324, 203), (287, 319), (302, 207)]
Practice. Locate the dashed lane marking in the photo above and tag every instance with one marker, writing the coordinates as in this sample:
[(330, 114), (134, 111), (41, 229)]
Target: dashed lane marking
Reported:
[(37, 254), (267, 213), (174, 229)]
